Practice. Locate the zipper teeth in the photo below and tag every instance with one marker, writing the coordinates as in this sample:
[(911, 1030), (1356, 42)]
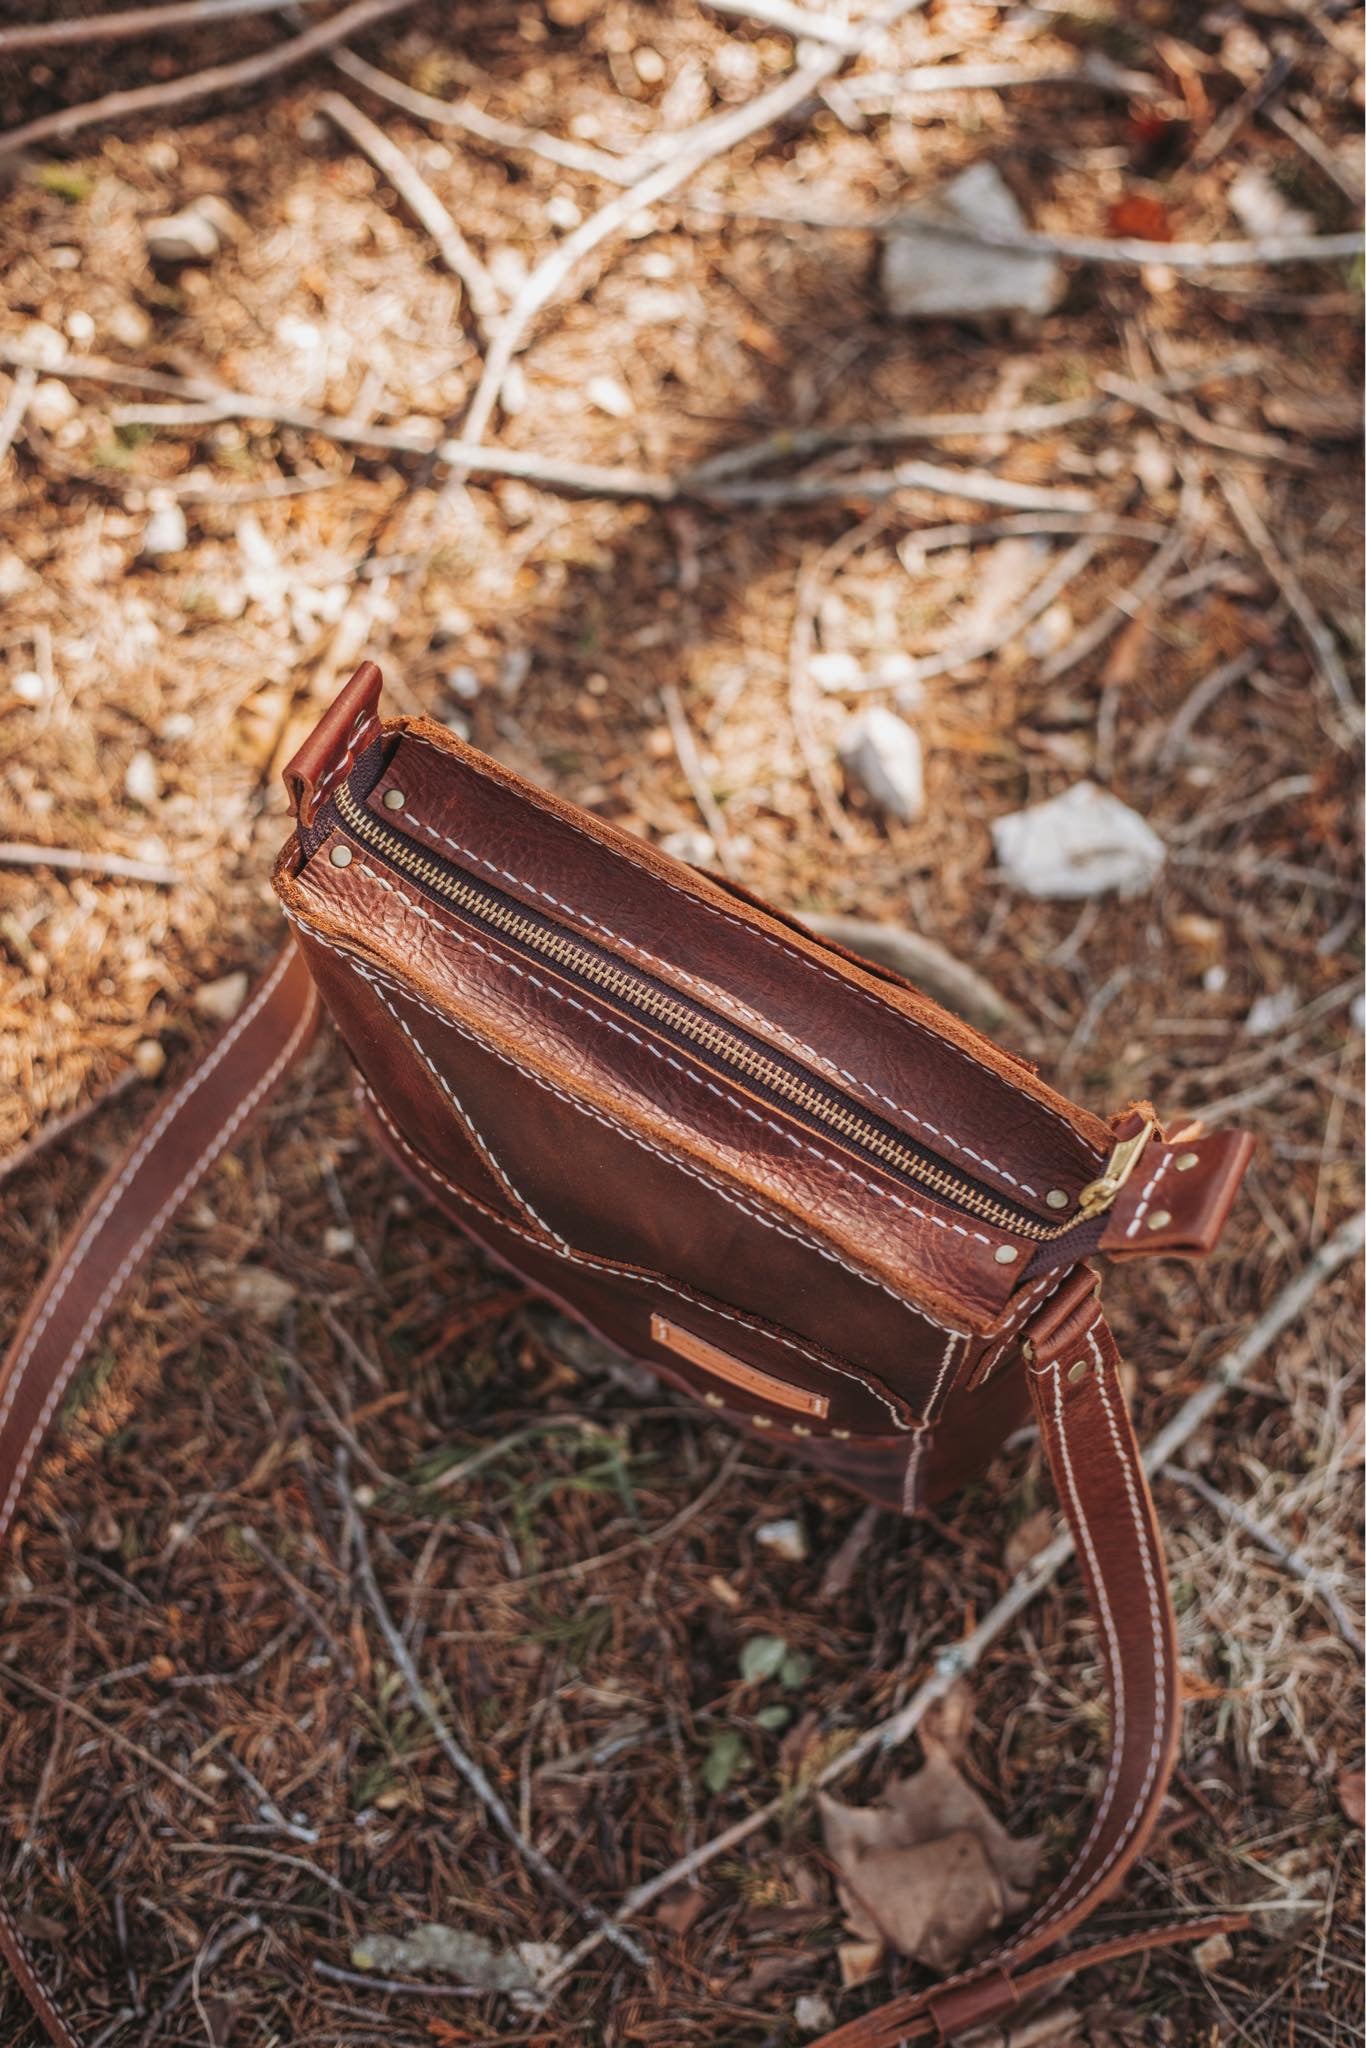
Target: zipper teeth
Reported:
[(604, 972)]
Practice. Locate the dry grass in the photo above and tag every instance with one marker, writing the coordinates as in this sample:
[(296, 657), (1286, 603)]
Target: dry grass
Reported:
[(182, 1578)]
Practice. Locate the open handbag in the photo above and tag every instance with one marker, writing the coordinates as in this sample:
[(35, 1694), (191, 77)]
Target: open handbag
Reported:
[(776, 1175)]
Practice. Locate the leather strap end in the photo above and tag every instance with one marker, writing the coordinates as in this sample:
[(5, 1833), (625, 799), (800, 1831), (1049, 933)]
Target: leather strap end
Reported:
[(347, 726), (1179, 1199)]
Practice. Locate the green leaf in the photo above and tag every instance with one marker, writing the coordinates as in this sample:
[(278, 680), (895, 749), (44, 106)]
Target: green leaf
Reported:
[(762, 1657), (726, 1758), (795, 1670), (773, 1717)]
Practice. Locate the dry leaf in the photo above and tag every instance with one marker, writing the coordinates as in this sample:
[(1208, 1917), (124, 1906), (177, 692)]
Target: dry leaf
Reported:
[(858, 1961), (680, 1909), (948, 1724), (930, 1869), (1034, 1534), (1352, 1796)]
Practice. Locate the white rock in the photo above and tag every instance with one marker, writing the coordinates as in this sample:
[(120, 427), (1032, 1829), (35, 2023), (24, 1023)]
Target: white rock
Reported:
[(1262, 208), (1078, 844), (692, 845), (927, 275), (882, 753), (835, 670), (1271, 1012), (338, 1241), (813, 2013), (166, 532), (51, 405), (127, 323), (260, 1291), (141, 782), (29, 687), (610, 397), (561, 212), (222, 999), (188, 237), (786, 1539)]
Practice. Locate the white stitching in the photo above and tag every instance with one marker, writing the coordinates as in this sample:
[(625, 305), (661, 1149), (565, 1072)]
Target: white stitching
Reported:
[(1147, 1195), (768, 1222), (565, 1250), (217, 1143), (49, 2010), (779, 945), (689, 1073), (339, 768), (115, 1193), (1028, 1300), (942, 1375)]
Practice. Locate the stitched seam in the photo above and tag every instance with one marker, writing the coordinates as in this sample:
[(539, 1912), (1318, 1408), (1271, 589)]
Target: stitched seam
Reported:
[(578, 1258), (48, 2011), (941, 1377), (1028, 1301), (1147, 1195), (217, 1143), (768, 1222), (149, 1139), (339, 768), (791, 952), (689, 1073), (742, 1008)]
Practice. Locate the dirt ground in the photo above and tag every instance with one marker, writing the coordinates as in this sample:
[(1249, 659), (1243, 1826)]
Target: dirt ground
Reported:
[(215, 1786)]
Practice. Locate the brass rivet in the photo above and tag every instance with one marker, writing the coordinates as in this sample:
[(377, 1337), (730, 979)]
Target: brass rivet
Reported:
[(1005, 1255), (1057, 1198), (842, 1434), (1159, 1219), (800, 1429), (1079, 1370), (340, 856), (1186, 1162), (762, 1421), (393, 799), (713, 1400)]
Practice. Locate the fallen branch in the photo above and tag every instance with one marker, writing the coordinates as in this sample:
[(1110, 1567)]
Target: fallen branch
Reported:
[(86, 29), (1127, 604), (964, 1656), (688, 153), (975, 484), (420, 200), (924, 962), (201, 85), (424, 106), (16, 853), (1235, 440), (464, 1766), (1321, 643), (690, 761), (1295, 1563), (1205, 693), (1095, 73), (795, 21)]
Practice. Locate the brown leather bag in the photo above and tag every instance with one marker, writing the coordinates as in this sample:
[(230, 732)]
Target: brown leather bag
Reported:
[(777, 1175)]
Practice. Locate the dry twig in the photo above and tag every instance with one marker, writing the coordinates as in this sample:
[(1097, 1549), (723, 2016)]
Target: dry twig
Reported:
[(70, 860), (1321, 643), (1295, 1563), (85, 29), (690, 761)]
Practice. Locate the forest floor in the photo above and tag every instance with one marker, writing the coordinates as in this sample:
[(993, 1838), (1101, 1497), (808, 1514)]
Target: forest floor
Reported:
[(216, 1787)]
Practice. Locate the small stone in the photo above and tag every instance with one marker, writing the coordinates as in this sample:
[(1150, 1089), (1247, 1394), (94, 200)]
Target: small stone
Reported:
[(562, 213), (1271, 1012), (166, 532), (188, 237), (928, 273), (785, 1538), (149, 1057), (649, 64), (80, 327), (178, 726), (813, 2013), (1211, 1954), (338, 1241), (610, 397), (221, 1000), (834, 670), (697, 849), (1262, 209), (51, 405), (105, 1534), (261, 1292), (29, 687), (882, 753), (129, 325), (141, 781), (1081, 843)]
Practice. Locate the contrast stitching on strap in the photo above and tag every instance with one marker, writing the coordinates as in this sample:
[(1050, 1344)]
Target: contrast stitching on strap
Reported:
[(689, 1073), (736, 1002), (339, 768), (768, 1222), (1163, 1163), (650, 1281), (792, 953)]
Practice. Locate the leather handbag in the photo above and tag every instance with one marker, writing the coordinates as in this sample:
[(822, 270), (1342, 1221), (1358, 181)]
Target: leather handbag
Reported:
[(777, 1175)]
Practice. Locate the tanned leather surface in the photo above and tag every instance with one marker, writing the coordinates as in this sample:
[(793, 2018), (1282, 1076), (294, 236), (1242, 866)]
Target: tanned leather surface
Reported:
[(624, 1180)]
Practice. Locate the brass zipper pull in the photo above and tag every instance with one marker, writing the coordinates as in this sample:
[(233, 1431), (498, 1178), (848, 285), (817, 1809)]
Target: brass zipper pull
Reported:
[(1098, 1195)]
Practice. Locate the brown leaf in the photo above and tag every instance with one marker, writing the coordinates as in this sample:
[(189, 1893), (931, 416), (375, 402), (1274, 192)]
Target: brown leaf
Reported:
[(858, 1961), (680, 1909), (929, 1869), (1352, 1796), (1034, 1534)]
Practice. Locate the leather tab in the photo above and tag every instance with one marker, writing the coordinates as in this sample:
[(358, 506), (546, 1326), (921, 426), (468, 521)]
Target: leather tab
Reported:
[(1180, 1197), (345, 729), (962, 2006)]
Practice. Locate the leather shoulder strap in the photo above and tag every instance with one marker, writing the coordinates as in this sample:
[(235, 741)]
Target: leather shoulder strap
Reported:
[(121, 1222), (1074, 1378)]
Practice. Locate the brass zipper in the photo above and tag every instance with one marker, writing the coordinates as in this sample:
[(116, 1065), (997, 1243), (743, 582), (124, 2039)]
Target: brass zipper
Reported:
[(563, 949)]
